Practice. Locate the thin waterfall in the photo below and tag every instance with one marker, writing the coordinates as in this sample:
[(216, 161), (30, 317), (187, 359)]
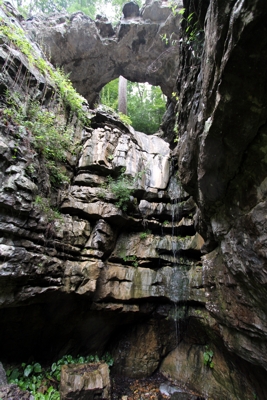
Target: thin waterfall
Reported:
[(179, 281)]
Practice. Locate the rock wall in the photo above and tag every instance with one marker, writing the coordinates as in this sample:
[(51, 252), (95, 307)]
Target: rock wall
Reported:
[(128, 276), (221, 116)]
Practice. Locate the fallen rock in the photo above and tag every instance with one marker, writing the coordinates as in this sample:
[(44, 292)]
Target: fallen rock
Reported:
[(85, 382), (13, 392)]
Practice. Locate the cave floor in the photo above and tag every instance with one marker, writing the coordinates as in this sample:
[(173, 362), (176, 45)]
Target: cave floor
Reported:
[(145, 389)]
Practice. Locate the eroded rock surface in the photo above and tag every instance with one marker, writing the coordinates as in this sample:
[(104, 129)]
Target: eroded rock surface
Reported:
[(94, 54), (130, 278), (85, 381)]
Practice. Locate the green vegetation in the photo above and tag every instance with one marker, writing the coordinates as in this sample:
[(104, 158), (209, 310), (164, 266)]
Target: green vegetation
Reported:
[(72, 100), (88, 7), (122, 188), (43, 383), (43, 204), (175, 9), (50, 138), (68, 96), (145, 104), (168, 40), (208, 357), (192, 27), (131, 259), (47, 131), (125, 119), (144, 235)]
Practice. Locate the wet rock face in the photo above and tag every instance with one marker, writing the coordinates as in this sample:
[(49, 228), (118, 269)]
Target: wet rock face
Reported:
[(94, 53), (185, 363), (221, 156)]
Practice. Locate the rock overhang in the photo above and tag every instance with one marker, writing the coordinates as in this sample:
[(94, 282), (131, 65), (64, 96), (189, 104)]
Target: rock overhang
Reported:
[(94, 53)]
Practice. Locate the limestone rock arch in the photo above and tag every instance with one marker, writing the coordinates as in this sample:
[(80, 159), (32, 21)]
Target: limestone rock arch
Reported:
[(94, 53)]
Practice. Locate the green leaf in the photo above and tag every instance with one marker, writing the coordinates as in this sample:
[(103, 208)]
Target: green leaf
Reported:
[(53, 367), (37, 367), (28, 370)]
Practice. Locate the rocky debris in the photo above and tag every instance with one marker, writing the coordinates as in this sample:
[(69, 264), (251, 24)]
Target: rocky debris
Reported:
[(134, 389), (85, 381), (13, 392), (107, 149), (94, 54), (154, 388), (3, 380)]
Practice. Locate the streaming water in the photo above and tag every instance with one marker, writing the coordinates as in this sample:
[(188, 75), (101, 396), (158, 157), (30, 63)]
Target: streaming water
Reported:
[(179, 281)]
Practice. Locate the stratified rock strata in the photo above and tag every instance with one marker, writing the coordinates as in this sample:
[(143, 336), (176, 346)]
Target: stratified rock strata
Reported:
[(128, 276)]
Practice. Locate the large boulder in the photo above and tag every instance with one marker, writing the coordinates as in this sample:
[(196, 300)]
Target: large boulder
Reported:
[(85, 382)]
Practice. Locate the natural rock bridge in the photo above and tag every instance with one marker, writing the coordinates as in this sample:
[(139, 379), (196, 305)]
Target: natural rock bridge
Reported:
[(95, 53)]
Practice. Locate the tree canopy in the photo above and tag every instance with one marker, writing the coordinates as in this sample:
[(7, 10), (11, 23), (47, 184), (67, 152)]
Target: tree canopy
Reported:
[(145, 105), (112, 8)]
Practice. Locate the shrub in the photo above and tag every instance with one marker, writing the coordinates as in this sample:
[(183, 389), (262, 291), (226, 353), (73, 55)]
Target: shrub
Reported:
[(50, 138)]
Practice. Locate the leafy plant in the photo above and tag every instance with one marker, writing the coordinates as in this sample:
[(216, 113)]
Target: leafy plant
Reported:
[(125, 119), (168, 39), (175, 9), (68, 94), (44, 205), (122, 188), (43, 383), (208, 357), (144, 235), (131, 259), (175, 96), (51, 139)]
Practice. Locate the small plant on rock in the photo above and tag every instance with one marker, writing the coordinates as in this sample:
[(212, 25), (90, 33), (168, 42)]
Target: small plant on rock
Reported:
[(144, 235), (208, 357), (43, 204), (132, 260), (125, 119), (122, 188)]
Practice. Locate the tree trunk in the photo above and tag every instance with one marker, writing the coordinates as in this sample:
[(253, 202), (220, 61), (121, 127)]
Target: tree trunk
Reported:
[(122, 95)]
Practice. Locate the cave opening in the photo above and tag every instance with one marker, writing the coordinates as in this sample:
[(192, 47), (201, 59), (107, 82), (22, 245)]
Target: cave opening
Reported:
[(143, 104)]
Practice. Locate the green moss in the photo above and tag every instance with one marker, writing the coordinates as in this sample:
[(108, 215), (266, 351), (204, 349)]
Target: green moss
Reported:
[(72, 100)]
